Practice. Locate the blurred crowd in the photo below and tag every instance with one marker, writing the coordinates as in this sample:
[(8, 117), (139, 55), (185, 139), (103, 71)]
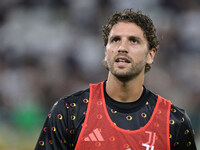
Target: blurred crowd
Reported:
[(52, 48)]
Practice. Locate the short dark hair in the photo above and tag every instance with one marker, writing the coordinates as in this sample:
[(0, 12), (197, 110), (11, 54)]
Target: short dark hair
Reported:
[(140, 19)]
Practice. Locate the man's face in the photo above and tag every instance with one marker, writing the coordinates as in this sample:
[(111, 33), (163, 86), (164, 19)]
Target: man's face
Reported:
[(126, 52)]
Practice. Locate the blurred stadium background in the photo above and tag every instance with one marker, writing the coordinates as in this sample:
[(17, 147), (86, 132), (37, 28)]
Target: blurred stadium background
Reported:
[(52, 48)]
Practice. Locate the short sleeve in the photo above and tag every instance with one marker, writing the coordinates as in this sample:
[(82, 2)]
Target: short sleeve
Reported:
[(54, 132), (181, 131)]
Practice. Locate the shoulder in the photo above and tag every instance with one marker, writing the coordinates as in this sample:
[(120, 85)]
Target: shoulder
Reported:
[(178, 115), (71, 100), (179, 119), (180, 123), (76, 97), (182, 133)]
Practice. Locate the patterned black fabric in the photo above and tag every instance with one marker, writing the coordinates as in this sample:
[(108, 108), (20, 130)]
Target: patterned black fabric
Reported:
[(64, 122)]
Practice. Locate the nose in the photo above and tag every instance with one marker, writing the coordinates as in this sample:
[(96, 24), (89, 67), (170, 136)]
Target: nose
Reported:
[(122, 51), (123, 47)]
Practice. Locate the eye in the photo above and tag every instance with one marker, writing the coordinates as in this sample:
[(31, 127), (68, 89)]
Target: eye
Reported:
[(134, 41), (115, 39)]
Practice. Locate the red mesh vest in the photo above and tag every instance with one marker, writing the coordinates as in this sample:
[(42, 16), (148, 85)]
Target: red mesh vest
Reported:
[(100, 133)]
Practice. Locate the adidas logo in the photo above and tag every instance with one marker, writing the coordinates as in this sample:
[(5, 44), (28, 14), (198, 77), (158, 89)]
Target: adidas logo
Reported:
[(94, 136)]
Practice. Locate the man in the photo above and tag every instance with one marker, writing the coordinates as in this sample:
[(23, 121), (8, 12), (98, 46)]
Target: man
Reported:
[(120, 113)]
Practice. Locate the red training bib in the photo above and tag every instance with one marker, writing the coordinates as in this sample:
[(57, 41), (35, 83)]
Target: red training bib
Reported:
[(100, 133)]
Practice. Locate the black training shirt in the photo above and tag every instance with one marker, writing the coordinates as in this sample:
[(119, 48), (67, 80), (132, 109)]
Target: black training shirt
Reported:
[(64, 122)]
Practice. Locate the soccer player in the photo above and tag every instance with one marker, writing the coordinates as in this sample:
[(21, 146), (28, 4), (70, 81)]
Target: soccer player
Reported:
[(120, 113)]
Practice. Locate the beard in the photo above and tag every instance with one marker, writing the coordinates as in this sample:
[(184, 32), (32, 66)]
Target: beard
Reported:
[(125, 74)]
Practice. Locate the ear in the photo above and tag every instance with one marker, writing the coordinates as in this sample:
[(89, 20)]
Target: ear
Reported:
[(150, 56)]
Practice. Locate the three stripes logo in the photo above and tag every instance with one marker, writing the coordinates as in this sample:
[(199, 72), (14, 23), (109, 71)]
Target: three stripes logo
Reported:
[(94, 136)]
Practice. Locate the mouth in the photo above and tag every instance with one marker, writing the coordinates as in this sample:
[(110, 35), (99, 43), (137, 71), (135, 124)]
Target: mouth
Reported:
[(122, 59)]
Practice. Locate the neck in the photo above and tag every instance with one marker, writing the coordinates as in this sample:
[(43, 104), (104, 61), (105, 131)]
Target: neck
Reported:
[(125, 91)]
